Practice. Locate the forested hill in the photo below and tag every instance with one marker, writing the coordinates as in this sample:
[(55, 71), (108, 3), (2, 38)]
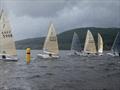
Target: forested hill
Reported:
[(65, 38)]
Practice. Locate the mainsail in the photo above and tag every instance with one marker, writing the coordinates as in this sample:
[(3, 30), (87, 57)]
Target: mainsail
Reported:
[(89, 46), (100, 44), (7, 45), (51, 42), (116, 45), (76, 46)]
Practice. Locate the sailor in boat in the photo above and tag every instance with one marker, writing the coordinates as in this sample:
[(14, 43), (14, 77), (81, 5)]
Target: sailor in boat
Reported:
[(3, 57), (50, 55)]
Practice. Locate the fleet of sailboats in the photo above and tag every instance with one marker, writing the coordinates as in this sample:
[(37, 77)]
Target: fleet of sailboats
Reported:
[(50, 48), (76, 45), (7, 44)]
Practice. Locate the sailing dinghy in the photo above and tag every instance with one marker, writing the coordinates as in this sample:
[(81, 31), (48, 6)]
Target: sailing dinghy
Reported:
[(115, 50), (100, 45), (75, 46), (7, 44), (50, 48), (89, 47)]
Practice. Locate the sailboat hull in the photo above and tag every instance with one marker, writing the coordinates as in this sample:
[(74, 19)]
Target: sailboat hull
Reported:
[(88, 54), (47, 56), (100, 54), (113, 54), (74, 54), (8, 58)]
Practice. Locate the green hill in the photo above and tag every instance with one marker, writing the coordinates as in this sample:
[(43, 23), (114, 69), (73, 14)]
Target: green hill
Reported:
[(65, 38)]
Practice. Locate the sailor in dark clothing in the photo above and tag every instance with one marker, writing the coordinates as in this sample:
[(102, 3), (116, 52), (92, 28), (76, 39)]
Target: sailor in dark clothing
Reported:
[(3, 57), (50, 55)]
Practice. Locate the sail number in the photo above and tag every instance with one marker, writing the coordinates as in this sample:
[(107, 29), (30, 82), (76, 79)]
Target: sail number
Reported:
[(52, 38), (6, 34)]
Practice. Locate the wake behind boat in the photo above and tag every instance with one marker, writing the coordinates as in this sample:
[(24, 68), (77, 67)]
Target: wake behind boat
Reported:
[(75, 46), (115, 50), (50, 48), (7, 44)]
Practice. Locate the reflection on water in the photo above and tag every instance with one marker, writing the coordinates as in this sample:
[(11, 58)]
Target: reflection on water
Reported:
[(65, 73)]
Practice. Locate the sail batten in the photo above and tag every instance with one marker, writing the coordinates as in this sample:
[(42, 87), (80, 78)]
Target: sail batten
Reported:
[(51, 42), (90, 46), (75, 46), (100, 44), (7, 45)]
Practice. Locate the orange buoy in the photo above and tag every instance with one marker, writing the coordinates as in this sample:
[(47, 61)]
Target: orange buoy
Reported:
[(28, 57)]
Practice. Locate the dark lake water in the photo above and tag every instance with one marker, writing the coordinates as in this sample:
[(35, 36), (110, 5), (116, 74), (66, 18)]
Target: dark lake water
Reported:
[(65, 73)]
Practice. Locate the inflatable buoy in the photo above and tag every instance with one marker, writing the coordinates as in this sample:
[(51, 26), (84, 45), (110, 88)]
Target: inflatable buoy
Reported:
[(28, 57)]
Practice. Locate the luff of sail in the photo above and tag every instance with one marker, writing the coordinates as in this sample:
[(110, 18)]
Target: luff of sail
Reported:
[(90, 46), (76, 46), (100, 44), (7, 45), (116, 45), (51, 42)]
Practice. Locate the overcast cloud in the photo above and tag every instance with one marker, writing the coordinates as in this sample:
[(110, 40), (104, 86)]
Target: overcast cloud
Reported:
[(31, 18)]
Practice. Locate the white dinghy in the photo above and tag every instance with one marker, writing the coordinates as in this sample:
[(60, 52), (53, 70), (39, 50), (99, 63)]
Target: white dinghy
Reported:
[(75, 46), (7, 44), (50, 48), (89, 47), (115, 50)]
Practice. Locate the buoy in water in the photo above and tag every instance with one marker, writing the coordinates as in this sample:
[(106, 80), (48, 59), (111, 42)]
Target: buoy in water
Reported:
[(28, 57)]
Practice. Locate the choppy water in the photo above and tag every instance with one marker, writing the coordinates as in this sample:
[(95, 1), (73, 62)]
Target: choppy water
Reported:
[(65, 73)]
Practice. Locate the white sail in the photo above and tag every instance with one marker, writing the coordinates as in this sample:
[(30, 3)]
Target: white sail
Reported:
[(51, 42), (116, 45), (7, 45), (100, 44), (89, 46), (115, 50), (76, 46)]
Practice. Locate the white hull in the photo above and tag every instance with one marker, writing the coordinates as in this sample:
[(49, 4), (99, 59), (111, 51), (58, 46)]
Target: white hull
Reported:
[(112, 54), (88, 54), (8, 58), (100, 54), (47, 56), (74, 54)]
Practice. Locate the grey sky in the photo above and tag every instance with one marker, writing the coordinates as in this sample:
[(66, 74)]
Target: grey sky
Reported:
[(31, 18)]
